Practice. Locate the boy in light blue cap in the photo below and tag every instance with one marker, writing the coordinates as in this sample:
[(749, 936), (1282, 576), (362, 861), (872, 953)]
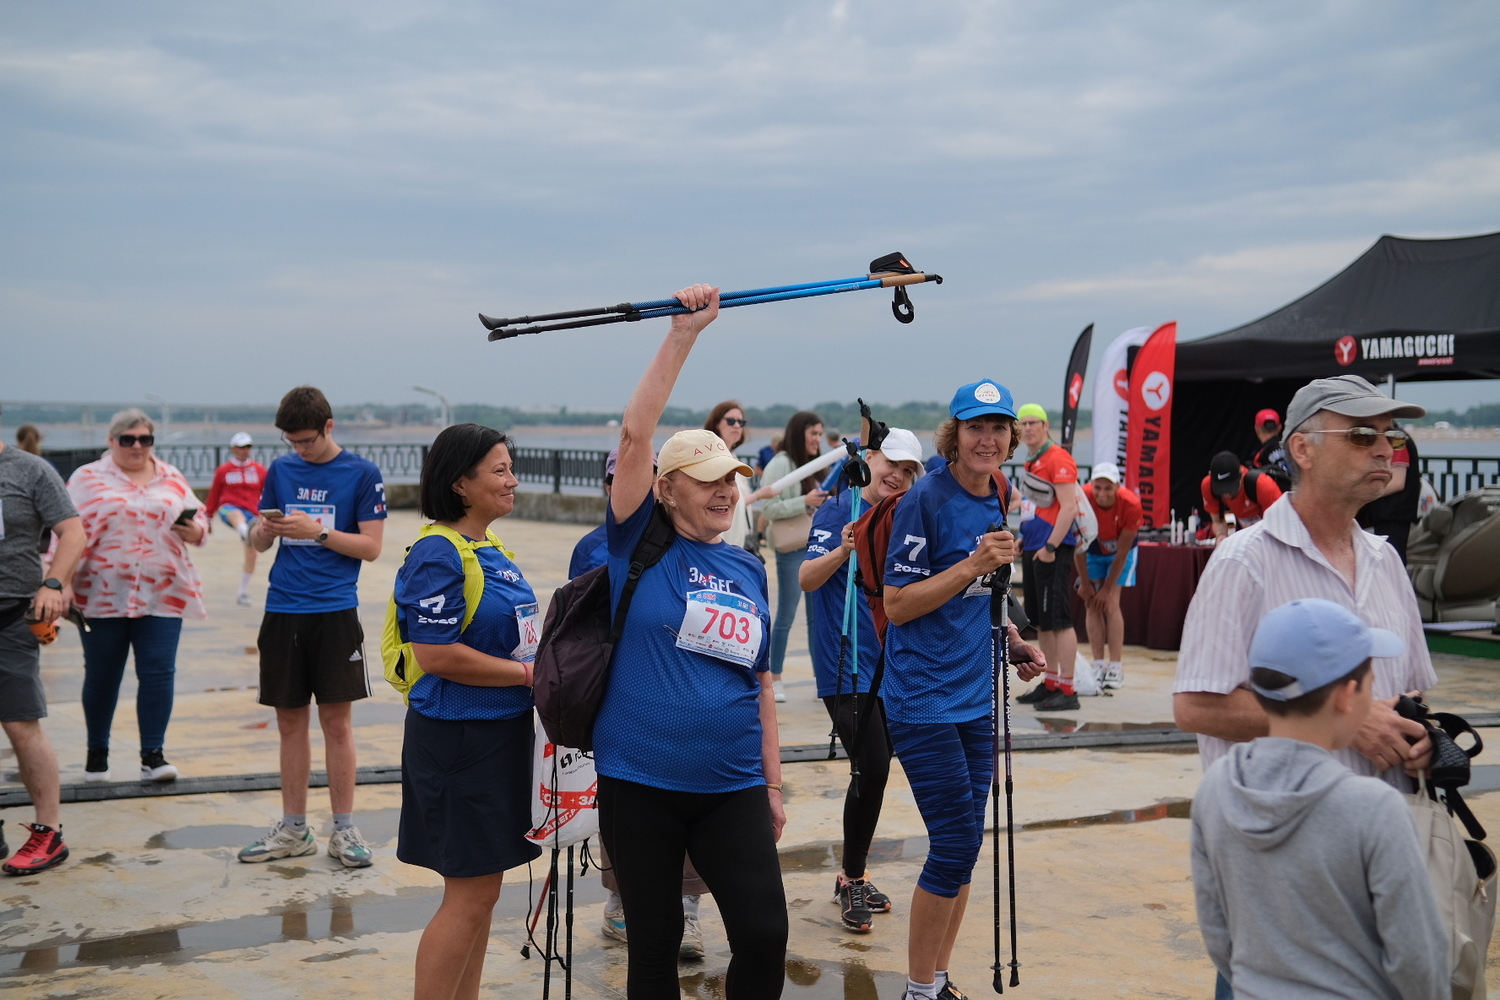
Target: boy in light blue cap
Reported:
[(1309, 879)]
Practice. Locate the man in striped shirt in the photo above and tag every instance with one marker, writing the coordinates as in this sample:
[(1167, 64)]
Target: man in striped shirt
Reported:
[(1340, 439)]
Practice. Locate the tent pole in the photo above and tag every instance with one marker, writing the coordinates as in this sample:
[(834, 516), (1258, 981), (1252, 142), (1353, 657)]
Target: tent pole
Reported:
[(1390, 384)]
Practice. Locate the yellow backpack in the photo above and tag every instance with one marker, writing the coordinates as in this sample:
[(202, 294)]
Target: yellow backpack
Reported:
[(401, 668)]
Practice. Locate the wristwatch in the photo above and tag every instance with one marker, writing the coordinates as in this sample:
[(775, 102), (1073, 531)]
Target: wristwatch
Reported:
[(1050, 548), (323, 535), (53, 583)]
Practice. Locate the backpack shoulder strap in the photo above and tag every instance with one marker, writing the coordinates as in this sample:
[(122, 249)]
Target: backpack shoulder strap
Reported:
[(1002, 489), (655, 541), (468, 557)]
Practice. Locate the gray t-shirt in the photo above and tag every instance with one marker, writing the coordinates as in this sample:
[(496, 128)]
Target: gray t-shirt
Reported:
[(32, 500)]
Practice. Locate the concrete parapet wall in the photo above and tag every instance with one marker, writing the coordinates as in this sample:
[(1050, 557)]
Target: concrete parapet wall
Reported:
[(566, 508)]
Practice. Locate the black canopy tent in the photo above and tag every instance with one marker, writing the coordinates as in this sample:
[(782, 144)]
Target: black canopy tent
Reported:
[(1412, 310)]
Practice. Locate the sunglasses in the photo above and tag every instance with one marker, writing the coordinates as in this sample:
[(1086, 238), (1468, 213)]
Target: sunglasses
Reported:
[(736, 421), (1364, 437), (131, 440)]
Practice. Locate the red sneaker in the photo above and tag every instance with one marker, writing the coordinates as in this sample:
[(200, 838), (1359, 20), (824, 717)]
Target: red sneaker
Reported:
[(44, 849)]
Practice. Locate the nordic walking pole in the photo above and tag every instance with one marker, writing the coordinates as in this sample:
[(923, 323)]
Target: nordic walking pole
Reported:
[(857, 474), (890, 271), (1000, 643)]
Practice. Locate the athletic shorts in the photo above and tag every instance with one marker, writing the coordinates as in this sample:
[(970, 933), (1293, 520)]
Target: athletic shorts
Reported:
[(21, 697), (1049, 589), (317, 655), (1099, 567), (250, 515)]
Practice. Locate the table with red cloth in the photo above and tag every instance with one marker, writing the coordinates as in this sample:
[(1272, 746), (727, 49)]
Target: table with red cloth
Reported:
[(1166, 577)]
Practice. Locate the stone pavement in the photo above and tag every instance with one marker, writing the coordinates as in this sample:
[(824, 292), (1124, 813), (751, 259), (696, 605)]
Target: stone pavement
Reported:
[(152, 902)]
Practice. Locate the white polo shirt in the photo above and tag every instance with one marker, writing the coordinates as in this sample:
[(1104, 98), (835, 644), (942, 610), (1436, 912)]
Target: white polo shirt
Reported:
[(1275, 561)]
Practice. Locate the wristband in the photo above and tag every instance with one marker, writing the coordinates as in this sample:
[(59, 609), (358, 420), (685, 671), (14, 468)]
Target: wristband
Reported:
[(527, 668)]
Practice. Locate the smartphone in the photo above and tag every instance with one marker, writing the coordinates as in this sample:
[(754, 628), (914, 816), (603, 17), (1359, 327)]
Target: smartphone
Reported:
[(186, 516), (272, 514)]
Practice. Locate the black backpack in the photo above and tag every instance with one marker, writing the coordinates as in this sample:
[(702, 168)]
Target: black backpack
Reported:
[(578, 641)]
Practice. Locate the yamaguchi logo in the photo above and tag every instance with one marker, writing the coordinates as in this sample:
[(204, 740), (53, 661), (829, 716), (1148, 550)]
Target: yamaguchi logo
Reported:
[(1345, 350), (1075, 389), (1122, 384)]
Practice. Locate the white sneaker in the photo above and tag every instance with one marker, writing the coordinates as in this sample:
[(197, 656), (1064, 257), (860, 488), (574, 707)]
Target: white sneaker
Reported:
[(1113, 678), (280, 842), (242, 599), (154, 767), (92, 776), (692, 939), (350, 848), (614, 923), (779, 690)]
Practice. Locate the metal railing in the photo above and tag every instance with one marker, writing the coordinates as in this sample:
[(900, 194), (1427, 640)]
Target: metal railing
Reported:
[(1452, 477)]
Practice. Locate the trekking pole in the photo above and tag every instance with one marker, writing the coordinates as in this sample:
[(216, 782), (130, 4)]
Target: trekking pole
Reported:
[(857, 475), (549, 950), (890, 271), (568, 968), (536, 917), (1000, 644)]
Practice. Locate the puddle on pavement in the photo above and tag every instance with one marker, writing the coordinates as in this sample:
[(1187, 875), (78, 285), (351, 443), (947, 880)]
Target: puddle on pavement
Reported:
[(328, 918), (379, 826), (820, 857), (1172, 809), (808, 979), (1052, 724)]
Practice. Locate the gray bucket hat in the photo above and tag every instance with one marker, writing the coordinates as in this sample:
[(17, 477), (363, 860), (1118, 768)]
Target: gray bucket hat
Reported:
[(1349, 395)]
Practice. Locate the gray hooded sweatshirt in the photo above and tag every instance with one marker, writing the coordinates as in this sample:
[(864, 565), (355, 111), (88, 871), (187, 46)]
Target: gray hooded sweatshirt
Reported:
[(1310, 882)]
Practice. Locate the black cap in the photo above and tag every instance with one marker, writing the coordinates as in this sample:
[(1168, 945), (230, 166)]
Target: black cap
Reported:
[(1224, 474)]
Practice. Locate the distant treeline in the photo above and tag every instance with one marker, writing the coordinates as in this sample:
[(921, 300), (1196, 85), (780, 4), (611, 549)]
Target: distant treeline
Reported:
[(1483, 415)]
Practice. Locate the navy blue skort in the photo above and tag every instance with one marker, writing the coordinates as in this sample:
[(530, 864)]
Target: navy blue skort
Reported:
[(466, 795)]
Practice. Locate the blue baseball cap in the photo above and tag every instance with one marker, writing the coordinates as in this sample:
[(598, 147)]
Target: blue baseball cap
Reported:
[(980, 398), (1316, 642)]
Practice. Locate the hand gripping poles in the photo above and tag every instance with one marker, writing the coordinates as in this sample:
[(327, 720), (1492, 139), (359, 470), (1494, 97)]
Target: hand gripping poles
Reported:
[(1000, 642), (890, 271)]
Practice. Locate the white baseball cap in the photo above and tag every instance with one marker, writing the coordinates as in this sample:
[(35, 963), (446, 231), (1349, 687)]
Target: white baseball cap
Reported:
[(901, 445), (1107, 470), (240, 440)]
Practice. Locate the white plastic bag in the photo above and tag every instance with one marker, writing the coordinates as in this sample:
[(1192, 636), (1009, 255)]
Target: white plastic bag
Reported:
[(565, 806), (1085, 678)]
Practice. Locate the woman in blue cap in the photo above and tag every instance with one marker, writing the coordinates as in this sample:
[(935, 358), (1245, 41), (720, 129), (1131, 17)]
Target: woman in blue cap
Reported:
[(939, 682)]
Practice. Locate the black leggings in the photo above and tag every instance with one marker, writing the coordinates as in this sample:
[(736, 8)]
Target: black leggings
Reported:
[(864, 798), (730, 839)]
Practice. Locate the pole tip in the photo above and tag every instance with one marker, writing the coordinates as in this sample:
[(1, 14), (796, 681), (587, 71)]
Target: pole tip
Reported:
[(999, 982)]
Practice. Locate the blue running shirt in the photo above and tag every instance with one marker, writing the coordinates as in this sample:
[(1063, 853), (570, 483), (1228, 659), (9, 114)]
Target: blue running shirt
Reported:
[(938, 667), (590, 553), (339, 493), (430, 609), (673, 717), (828, 608)]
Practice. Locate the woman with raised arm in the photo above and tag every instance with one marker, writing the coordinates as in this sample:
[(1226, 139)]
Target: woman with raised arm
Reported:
[(686, 743)]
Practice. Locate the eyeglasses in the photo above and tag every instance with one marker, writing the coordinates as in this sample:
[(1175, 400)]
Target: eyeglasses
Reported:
[(301, 443), (131, 440), (1364, 437), (736, 421)]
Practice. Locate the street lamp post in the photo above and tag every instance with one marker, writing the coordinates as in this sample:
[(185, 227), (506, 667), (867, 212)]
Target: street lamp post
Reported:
[(166, 414), (446, 411)]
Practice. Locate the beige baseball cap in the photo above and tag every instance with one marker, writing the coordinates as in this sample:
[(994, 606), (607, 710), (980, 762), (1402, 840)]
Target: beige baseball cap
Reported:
[(701, 454)]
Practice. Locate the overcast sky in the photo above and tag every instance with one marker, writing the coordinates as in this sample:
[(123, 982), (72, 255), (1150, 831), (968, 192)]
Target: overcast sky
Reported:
[(215, 202)]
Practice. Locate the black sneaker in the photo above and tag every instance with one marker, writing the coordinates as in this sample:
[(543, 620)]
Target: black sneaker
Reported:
[(854, 910), (154, 767), (877, 901), (1036, 694), (96, 767), (951, 992), (1058, 701)]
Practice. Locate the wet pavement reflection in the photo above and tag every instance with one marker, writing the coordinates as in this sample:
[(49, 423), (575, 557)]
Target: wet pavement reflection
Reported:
[(809, 979), (1172, 809)]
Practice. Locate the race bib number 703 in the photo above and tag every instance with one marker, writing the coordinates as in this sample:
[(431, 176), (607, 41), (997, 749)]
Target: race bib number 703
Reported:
[(724, 626)]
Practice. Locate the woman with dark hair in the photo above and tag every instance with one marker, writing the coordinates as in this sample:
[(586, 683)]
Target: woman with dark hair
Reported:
[(466, 760), (29, 439), (686, 741), (728, 421), (792, 508)]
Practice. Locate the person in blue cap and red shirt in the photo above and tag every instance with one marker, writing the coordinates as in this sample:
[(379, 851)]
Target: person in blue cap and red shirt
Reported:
[(938, 690)]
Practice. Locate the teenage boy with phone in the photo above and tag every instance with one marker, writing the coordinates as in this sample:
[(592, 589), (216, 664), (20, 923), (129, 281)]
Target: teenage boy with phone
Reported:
[(332, 506)]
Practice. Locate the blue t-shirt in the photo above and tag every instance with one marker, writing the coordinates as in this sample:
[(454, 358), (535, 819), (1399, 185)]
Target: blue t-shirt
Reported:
[(938, 666), (591, 552), (430, 609), (308, 577), (828, 608), (674, 717)]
